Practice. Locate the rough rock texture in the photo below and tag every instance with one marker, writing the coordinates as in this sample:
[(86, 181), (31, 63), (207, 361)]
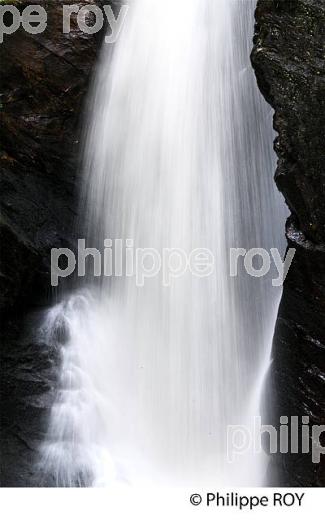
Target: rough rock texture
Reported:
[(28, 380), (44, 81), (289, 61)]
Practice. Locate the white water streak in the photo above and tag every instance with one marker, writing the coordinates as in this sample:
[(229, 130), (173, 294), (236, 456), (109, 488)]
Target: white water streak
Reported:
[(179, 154)]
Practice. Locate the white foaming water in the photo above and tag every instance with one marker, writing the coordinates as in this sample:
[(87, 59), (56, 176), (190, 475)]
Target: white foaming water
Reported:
[(179, 154)]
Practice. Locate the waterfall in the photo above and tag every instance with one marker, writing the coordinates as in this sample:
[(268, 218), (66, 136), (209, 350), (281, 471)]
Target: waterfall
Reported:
[(178, 154)]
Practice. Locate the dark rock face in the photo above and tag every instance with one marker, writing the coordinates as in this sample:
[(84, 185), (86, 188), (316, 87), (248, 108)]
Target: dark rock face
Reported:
[(289, 61), (28, 381), (43, 87), (44, 81)]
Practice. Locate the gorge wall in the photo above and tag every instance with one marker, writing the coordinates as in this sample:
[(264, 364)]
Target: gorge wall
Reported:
[(289, 61), (44, 82)]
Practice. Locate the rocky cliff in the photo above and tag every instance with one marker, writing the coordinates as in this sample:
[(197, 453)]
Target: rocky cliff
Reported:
[(289, 61), (44, 81), (43, 87)]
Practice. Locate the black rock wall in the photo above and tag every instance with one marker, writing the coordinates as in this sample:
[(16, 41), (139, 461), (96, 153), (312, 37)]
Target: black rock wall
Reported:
[(289, 61), (44, 82)]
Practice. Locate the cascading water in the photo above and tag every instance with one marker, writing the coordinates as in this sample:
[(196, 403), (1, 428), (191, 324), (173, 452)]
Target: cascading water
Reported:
[(178, 155)]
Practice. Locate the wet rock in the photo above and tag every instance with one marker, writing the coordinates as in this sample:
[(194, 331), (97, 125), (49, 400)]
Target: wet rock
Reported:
[(29, 372), (289, 61), (43, 94), (44, 81)]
